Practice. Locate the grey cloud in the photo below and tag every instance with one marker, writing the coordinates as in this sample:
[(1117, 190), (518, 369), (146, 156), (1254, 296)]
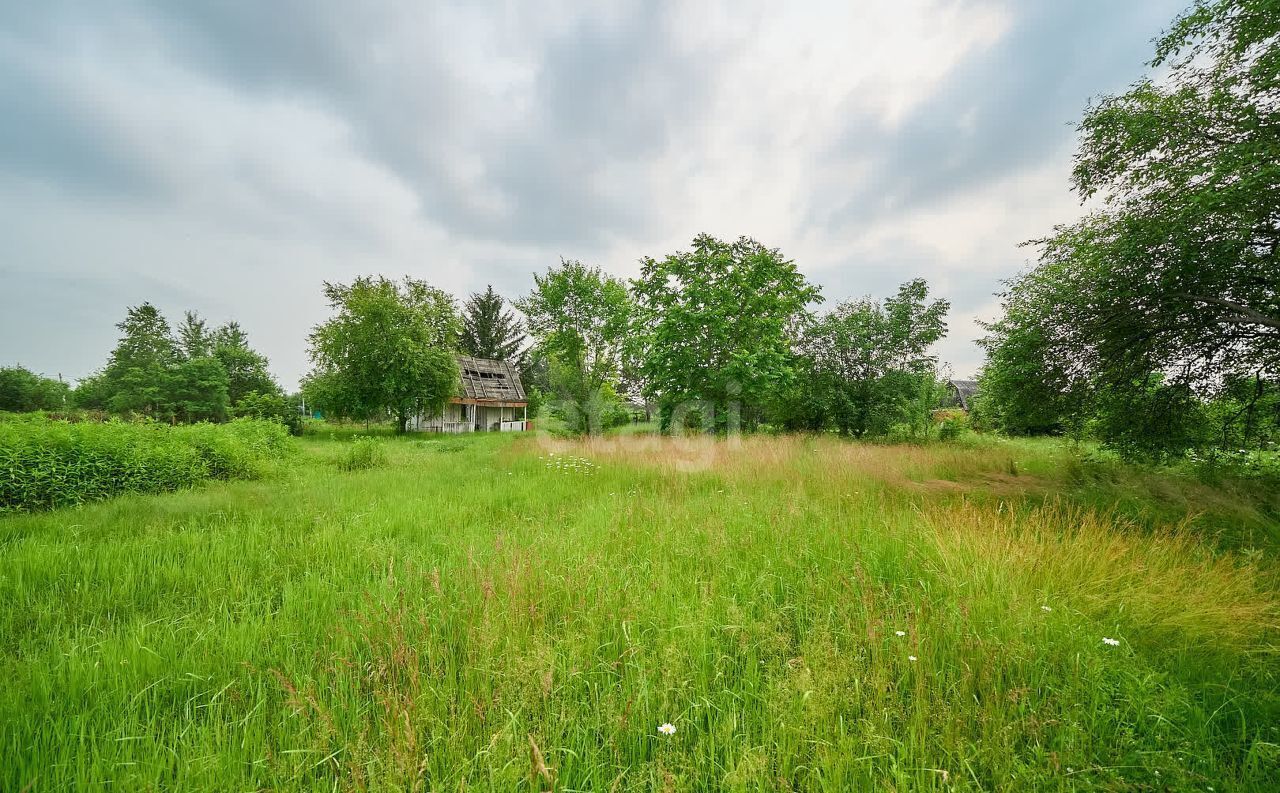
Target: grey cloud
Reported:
[(1003, 109), (518, 133), (47, 135), (606, 92)]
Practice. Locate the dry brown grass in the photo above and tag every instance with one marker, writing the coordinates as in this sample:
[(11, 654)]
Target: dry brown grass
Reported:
[(1165, 582)]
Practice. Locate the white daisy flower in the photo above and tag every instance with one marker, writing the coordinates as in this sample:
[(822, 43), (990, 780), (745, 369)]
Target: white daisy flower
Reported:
[(899, 633), (912, 658), (667, 729), (1112, 642), (1045, 609)]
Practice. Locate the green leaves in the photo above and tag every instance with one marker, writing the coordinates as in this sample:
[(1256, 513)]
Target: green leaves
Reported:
[(22, 390), (390, 348), (870, 362), (579, 316), (488, 331), (49, 464), (1175, 280), (716, 324)]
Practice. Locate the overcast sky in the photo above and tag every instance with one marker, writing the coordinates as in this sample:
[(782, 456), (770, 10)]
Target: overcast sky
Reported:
[(228, 158)]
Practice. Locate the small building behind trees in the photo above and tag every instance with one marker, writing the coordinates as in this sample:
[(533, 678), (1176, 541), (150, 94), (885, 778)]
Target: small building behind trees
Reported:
[(492, 399), (963, 392)]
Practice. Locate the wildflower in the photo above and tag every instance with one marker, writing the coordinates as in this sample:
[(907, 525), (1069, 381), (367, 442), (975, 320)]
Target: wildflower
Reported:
[(899, 633), (912, 658), (1045, 609), (667, 729), (1112, 642)]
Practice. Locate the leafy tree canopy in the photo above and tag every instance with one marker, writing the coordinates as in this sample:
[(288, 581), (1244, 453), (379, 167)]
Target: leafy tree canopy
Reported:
[(137, 373), (715, 325), (871, 361), (579, 317), (389, 348), (247, 369), (22, 390), (1172, 287)]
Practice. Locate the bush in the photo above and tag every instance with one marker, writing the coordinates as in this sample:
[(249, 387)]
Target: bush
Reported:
[(275, 407), (48, 464), (364, 453), (951, 424)]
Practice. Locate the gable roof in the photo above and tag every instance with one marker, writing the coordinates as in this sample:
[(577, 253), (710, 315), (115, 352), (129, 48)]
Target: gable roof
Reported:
[(965, 390), (487, 379)]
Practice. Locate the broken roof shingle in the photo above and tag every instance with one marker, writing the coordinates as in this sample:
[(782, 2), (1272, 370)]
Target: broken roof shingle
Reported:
[(487, 379)]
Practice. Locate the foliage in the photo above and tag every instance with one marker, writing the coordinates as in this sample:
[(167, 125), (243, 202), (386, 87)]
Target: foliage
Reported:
[(490, 332), (1026, 386), (1176, 279), (390, 348), (136, 379), (192, 375), (715, 327), (363, 453), (414, 627), (952, 424), (246, 368), (871, 366), (271, 407), (46, 464), (197, 390), (22, 390), (579, 316), (194, 339)]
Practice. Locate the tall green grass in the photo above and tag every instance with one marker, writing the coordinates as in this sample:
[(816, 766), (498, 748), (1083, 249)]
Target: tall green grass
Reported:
[(48, 464), (810, 615)]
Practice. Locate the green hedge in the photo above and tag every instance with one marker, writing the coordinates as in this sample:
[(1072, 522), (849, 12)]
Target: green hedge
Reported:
[(47, 464)]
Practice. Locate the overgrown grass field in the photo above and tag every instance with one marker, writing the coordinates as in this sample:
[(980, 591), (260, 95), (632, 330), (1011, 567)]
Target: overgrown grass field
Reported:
[(520, 613)]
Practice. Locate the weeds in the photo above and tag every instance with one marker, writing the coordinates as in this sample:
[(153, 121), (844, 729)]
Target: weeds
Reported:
[(805, 614), (363, 453), (47, 464)]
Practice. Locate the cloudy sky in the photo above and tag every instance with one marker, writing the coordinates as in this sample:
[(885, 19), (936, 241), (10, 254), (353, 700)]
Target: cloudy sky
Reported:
[(230, 156)]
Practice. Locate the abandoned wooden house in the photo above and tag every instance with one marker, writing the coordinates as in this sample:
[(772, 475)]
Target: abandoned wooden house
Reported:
[(963, 392), (492, 399)]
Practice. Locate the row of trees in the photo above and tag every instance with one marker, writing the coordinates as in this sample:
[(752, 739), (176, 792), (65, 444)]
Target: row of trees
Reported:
[(718, 337), (724, 336), (1154, 322), (22, 391), (193, 373)]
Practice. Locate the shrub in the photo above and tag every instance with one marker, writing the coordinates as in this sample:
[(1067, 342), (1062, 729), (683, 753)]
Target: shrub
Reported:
[(48, 464), (951, 424), (363, 453), (275, 407), (241, 449)]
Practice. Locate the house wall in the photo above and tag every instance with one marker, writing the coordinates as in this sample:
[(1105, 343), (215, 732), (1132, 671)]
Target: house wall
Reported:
[(483, 418)]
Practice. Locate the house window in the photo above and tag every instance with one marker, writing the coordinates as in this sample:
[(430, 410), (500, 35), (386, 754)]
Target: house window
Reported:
[(462, 412)]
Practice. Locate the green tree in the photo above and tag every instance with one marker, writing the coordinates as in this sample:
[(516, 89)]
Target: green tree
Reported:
[(1172, 288), (194, 338), (872, 361), (1025, 386), (489, 331), (22, 390), (197, 390), (715, 326), (272, 407), (137, 374), (579, 316), (390, 348), (247, 369)]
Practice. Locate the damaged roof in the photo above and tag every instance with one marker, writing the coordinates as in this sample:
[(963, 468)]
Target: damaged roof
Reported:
[(490, 380)]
